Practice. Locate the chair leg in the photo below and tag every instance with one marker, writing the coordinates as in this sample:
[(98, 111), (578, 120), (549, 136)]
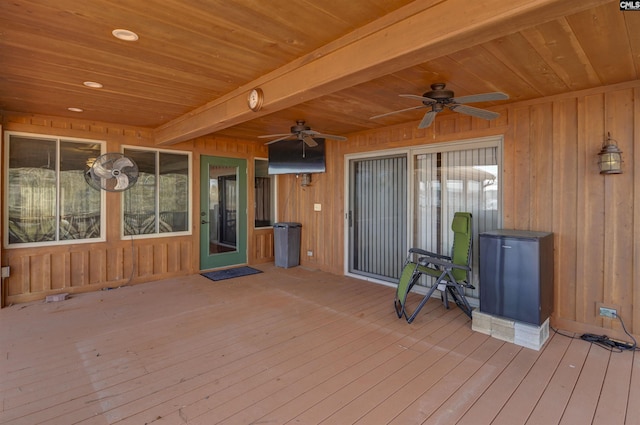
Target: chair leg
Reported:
[(427, 296), (452, 287), (457, 293), (445, 299), (422, 303)]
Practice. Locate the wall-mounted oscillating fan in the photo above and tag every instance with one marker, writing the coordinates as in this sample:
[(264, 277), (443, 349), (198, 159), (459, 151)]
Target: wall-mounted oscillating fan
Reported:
[(113, 172)]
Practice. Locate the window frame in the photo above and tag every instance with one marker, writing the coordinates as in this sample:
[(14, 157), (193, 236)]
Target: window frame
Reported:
[(189, 212), (274, 194), (56, 140)]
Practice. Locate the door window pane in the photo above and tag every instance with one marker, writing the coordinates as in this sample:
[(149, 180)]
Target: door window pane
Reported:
[(223, 209)]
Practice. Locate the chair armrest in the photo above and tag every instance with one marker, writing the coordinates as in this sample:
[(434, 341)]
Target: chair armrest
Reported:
[(428, 254), (442, 263)]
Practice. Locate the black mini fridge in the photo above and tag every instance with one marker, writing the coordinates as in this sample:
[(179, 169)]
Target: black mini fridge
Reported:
[(516, 275)]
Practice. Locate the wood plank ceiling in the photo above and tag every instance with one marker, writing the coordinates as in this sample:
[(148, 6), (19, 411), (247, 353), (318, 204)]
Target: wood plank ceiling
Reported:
[(195, 61)]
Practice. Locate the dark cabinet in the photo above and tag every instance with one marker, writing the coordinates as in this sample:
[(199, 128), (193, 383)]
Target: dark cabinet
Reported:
[(516, 275)]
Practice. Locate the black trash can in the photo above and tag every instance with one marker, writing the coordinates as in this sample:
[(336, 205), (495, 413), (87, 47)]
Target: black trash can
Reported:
[(286, 238)]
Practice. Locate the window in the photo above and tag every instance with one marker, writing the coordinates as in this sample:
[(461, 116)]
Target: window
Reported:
[(47, 197), (264, 194), (160, 202)]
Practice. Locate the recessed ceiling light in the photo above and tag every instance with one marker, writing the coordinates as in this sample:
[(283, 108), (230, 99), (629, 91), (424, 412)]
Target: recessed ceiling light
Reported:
[(125, 35), (93, 84), (76, 109)]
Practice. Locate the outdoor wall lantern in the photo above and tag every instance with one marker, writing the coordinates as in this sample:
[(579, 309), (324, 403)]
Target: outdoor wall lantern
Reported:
[(610, 157)]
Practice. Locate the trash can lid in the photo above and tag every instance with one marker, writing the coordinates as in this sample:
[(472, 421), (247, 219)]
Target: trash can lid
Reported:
[(287, 224)]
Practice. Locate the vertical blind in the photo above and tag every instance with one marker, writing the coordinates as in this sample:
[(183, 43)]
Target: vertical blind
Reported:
[(446, 182), (378, 217)]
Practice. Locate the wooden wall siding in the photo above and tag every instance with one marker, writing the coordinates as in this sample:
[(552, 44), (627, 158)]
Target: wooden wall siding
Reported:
[(37, 272), (80, 268), (322, 231), (550, 182), (263, 247)]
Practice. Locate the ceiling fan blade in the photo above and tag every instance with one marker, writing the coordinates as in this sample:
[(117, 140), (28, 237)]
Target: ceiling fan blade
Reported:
[(311, 133), (420, 98), (287, 136), (309, 140), (484, 97), (427, 119), (269, 136), (476, 112), (397, 112), (330, 136)]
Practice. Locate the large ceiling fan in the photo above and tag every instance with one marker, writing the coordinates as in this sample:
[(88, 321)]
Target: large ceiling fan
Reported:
[(439, 98), (303, 132)]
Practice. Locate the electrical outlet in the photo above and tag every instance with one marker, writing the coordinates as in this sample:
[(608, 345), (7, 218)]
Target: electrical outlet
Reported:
[(608, 312), (309, 253), (5, 271)]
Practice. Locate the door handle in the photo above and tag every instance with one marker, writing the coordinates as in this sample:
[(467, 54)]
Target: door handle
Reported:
[(204, 222)]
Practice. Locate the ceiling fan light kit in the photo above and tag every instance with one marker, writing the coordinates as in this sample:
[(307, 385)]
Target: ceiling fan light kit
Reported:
[(439, 98)]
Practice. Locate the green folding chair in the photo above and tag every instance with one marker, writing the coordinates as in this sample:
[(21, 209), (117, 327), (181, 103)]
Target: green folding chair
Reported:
[(452, 274)]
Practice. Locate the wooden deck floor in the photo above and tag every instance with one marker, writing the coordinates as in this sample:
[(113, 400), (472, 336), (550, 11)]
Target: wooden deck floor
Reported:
[(290, 346)]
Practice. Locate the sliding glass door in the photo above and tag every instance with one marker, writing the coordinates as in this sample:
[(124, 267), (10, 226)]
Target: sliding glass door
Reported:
[(408, 200)]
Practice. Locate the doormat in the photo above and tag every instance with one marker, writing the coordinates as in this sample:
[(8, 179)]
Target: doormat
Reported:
[(231, 273)]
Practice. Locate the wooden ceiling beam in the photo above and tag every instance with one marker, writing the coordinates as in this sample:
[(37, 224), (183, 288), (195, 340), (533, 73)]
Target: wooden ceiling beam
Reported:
[(419, 32)]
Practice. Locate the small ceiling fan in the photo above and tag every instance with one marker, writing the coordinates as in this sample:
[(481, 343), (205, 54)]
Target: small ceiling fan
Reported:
[(439, 98), (303, 132)]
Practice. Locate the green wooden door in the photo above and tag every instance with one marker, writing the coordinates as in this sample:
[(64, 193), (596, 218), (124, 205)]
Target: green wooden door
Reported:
[(223, 212)]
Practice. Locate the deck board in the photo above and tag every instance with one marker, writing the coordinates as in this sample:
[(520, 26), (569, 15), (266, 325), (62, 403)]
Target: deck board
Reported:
[(452, 410), (551, 404), (374, 367), (525, 397), (290, 346), (455, 380), (633, 406), (612, 404), (584, 400), (488, 406)]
